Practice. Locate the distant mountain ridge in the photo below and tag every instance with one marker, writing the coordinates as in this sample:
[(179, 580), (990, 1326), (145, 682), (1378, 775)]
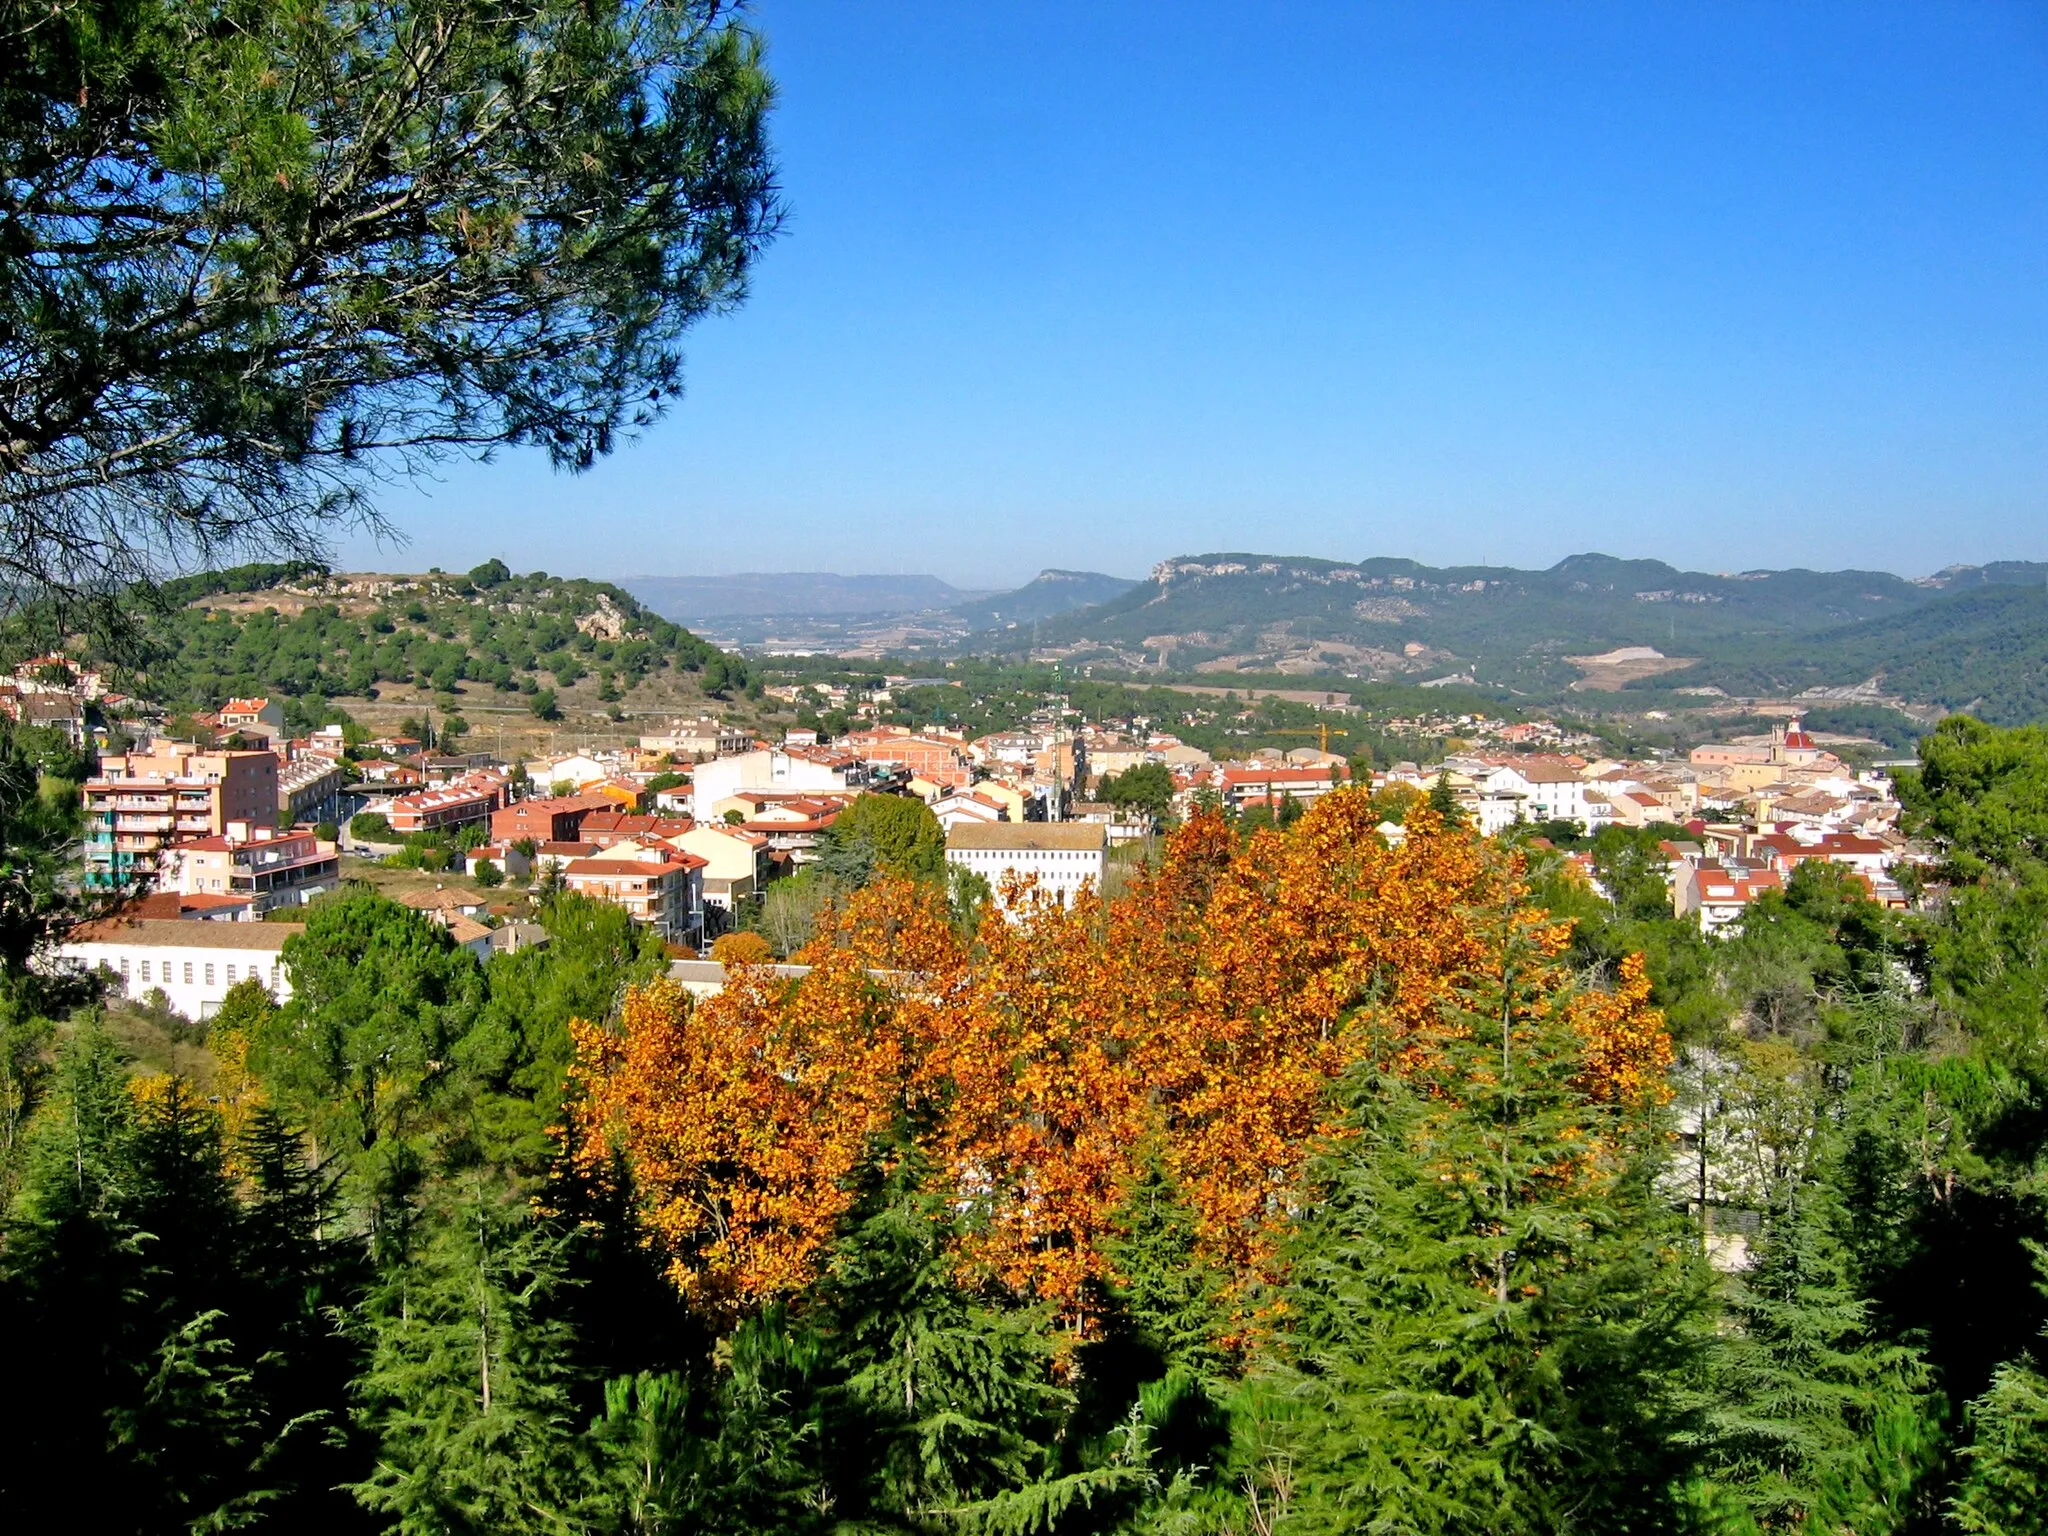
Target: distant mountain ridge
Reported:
[(822, 594), (1519, 629), (1049, 593)]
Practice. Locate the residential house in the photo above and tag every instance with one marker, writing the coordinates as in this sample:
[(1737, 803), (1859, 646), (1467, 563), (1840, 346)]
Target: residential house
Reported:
[(553, 857), (503, 857), (309, 788), (269, 867), (770, 768), (262, 717), (941, 759), (556, 820), (449, 809), (960, 806), (735, 865), (694, 739), (1719, 893), (1273, 784), (608, 828), (657, 885)]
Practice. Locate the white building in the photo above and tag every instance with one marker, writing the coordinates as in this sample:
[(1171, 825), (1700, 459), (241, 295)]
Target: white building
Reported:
[(768, 768), (192, 963), (1063, 855), (1542, 791)]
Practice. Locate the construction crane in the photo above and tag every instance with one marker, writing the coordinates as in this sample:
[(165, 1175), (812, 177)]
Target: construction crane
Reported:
[(1322, 731)]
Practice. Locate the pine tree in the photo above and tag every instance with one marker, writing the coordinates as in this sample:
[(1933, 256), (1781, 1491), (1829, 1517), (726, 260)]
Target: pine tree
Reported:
[(2005, 1490), (468, 1387), (72, 1278), (1485, 1309), (935, 1400), (1805, 1390)]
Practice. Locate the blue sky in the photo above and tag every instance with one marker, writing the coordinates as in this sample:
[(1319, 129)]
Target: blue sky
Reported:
[(1092, 285)]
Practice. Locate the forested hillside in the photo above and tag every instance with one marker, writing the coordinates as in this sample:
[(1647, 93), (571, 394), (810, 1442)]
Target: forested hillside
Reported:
[(1983, 649), (308, 636), (1966, 635), (1311, 1184)]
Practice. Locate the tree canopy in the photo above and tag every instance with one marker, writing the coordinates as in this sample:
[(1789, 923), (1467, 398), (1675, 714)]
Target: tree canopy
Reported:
[(252, 254)]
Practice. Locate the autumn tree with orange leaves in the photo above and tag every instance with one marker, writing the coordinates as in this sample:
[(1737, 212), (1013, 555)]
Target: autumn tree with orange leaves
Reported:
[(1200, 1020)]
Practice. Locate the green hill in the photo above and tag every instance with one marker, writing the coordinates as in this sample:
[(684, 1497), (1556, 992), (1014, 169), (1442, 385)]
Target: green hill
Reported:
[(492, 638), (1983, 649), (1386, 617), (1047, 594)]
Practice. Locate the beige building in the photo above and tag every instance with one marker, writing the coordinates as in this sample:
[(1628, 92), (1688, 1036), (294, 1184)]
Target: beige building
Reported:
[(272, 868), (656, 884), (735, 864), (139, 803)]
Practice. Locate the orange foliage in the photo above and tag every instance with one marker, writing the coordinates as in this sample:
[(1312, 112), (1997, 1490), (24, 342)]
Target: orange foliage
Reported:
[(741, 949), (1206, 1012)]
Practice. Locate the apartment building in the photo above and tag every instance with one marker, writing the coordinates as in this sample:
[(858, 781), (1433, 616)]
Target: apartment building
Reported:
[(555, 820), (139, 803), (309, 788), (1272, 784), (656, 884), (442, 810), (271, 868)]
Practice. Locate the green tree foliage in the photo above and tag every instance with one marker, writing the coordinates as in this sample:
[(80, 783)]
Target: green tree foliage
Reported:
[(2001, 1494), (896, 834), (248, 260), (183, 1335), (469, 1383), (363, 1054), (1147, 787), (1444, 801), (1474, 1344), (1819, 1423)]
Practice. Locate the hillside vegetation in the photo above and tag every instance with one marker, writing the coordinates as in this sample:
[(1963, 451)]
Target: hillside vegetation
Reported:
[(1983, 649), (309, 636), (1969, 635)]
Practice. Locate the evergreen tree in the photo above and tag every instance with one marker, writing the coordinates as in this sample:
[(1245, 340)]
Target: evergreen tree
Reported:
[(72, 1275), (1444, 801), (2005, 1489), (934, 1400), (1486, 1308), (1818, 1423), (468, 1389)]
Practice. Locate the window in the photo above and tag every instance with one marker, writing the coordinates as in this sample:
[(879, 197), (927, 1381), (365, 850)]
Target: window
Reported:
[(124, 967), (231, 975), (145, 970), (209, 973), (188, 973)]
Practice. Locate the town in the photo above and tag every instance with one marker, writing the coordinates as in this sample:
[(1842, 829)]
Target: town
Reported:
[(691, 830)]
